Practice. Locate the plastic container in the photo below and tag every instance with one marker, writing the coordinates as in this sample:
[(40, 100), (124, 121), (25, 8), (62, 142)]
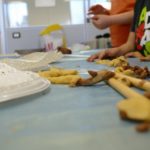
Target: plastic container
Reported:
[(52, 37)]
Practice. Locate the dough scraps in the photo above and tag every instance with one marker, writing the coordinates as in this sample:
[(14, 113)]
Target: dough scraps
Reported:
[(119, 61)]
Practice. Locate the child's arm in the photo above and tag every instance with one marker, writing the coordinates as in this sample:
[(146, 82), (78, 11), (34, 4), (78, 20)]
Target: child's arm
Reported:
[(128, 46), (122, 18), (104, 21), (115, 52)]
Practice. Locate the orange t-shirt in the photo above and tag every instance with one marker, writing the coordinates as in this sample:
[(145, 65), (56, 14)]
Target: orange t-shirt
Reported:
[(119, 33)]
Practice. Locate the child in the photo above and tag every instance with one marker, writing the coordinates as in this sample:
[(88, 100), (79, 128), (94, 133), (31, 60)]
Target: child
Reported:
[(118, 19), (138, 43)]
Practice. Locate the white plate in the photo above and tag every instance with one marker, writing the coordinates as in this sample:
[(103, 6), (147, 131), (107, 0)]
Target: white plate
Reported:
[(90, 51), (71, 59), (35, 86), (76, 55)]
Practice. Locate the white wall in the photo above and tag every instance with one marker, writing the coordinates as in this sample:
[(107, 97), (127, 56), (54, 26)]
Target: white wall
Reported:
[(0, 26), (49, 15), (30, 38), (39, 18)]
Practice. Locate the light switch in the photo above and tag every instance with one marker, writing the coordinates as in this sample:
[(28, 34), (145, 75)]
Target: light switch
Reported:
[(16, 35)]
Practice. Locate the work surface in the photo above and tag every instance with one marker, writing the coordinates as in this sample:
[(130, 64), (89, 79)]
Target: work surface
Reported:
[(64, 118)]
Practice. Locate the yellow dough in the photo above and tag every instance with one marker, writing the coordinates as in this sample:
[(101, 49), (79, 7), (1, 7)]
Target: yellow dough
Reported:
[(135, 109), (128, 72), (56, 72), (119, 61), (60, 76), (69, 79)]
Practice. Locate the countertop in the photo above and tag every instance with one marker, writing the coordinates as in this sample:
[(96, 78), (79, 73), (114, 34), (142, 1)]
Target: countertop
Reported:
[(64, 118)]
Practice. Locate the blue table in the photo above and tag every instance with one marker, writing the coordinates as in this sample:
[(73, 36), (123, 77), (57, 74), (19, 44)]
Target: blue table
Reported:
[(64, 118)]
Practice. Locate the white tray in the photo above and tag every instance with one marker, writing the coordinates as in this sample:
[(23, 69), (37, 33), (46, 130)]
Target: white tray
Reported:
[(76, 56), (34, 61), (35, 86)]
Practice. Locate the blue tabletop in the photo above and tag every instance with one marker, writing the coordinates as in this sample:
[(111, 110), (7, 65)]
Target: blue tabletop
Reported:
[(64, 118)]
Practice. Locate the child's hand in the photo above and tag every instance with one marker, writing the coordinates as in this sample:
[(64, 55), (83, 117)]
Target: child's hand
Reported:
[(138, 55), (99, 55), (101, 21), (96, 9), (147, 58), (135, 54), (104, 54)]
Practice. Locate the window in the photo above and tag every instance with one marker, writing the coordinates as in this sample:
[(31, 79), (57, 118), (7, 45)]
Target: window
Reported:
[(17, 14), (45, 3), (77, 11), (24, 13)]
